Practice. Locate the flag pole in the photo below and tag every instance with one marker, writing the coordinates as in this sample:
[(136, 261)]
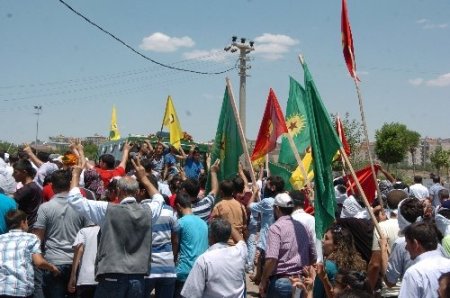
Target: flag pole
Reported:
[(340, 133), (363, 119), (241, 131), (267, 165), (162, 124), (361, 191)]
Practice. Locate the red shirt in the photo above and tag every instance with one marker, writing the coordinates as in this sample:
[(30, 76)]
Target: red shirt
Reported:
[(47, 192), (107, 175)]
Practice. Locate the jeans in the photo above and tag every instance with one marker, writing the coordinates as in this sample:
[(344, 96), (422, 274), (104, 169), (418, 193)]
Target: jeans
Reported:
[(38, 283), (251, 250), (178, 287), (120, 286), (56, 286), (279, 288), (164, 287), (86, 291)]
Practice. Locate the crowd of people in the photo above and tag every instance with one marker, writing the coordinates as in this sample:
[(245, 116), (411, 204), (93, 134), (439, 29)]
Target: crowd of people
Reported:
[(159, 222)]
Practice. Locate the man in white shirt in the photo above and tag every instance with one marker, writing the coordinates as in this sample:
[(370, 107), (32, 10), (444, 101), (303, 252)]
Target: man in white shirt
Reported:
[(421, 279), (418, 190), (220, 271)]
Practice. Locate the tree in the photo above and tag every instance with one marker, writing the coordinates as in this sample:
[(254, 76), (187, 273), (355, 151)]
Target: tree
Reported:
[(413, 139), (90, 150), (391, 143), (440, 158)]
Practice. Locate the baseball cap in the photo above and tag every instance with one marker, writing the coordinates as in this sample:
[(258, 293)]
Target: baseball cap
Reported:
[(283, 200)]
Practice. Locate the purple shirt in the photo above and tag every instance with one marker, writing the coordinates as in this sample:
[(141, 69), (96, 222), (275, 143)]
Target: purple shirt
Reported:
[(291, 244)]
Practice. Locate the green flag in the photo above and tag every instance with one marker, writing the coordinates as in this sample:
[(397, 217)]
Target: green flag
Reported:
[(324, 144), (227, 145), (279, 170), (296, 123)]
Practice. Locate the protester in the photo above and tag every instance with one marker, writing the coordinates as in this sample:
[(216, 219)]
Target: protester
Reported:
[(421, 279), (417, 190), (193, 239), (106, 164), (193, 166), (434, 191), (290, 247), (157, 161), (220, 271), (19, 250), (352, 284), (6, 204), (444, 285)]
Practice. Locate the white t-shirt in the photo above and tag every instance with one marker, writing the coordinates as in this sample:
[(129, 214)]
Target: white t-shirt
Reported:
[(390, 229), (419, 191), (88, 238)]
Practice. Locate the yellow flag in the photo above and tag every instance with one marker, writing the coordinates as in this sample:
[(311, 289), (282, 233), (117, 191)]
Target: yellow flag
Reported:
[(297, 180), (114, 133), (171, 121)]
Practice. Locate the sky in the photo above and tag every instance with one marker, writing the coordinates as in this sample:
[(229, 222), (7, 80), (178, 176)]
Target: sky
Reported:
[(52, 58)]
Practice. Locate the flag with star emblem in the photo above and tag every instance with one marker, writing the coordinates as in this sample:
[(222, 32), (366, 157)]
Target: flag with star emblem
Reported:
[(171, 121), (227, 144), (296, 123), (114, 133), (272, 126)]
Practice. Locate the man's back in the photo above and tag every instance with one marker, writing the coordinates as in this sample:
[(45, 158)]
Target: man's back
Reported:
[(61, 224), (6, 204), (234, 213)]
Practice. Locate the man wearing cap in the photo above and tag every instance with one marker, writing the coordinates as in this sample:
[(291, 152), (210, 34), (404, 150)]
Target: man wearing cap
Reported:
[(290, 247)]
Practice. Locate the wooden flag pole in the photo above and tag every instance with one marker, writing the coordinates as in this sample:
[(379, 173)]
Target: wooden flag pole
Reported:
[(241, 131), (363, 119), (299, 160), (361, 191), (267, 165)]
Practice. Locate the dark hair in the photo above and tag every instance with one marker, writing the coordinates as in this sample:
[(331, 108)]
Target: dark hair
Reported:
[(394, 197), (174, 184), (444, 194), (444, 212), (202, 179), (341, 188), (191, 186), (183, 199), (411, 209), (220, 230), (43, 156), (355, 281), (109, 160), (286, 210), (14, 217), (351, 293), (436, 179), (112, 185), (238, 184), (227, 188), (445, 277), (147, 164), (417, 179), (153, 180), (298, 198), (424, 233), (277, 182), (61, 180), (25, 165)]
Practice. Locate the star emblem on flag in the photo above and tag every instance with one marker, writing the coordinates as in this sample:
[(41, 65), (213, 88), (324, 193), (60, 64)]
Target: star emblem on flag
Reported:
[(295, 124)]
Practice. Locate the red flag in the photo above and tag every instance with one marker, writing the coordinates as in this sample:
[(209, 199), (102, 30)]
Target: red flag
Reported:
[(366, 180), (341, 134), (272, 126), (347, 41)]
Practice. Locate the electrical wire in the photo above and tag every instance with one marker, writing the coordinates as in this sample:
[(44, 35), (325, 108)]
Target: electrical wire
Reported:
[(137, 52)]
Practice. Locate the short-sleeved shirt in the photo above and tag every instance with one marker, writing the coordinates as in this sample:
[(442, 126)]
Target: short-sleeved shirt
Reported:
[(6, 204), (291, 244), (434, 194), (171, 162), (157, 164), (162, 263), (88, 238), (192, 167), (193, 239), (234, 213), (61, 224), (265, 208), (390, 229), (16, 267), (107, 175), (29, 198), (419, 191), (203, 207)]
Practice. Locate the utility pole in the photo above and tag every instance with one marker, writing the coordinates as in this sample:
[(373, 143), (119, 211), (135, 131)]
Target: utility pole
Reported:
[(244, 49), (37, 112)]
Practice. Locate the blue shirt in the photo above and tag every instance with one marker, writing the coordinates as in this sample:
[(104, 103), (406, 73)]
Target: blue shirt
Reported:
[(192, 168), (6, 204), (171, 161), (193, 238), (265, 208)]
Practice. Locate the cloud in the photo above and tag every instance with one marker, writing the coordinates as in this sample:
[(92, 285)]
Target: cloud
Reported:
[(215, 55), (273, 46), (440, 81), (416, 82), (427, 24), (159, 42)]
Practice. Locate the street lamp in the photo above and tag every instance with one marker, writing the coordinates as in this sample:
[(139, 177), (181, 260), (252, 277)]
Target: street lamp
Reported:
[(37, 112)]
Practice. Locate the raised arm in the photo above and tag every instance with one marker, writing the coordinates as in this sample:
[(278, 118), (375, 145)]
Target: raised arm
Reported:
[(37, 162), (126, 151), (141, 175), (214, 180), (243, 177)]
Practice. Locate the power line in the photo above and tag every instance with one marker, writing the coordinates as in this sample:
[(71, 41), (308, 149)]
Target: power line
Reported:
[(137, 52)]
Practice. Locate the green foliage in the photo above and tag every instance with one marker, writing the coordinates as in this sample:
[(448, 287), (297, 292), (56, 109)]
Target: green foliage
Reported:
[(440, 158), (90, 150), (391, 143), (8, 147)]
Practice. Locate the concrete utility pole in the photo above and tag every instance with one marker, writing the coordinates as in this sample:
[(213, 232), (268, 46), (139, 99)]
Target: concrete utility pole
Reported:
[(37, 112), (244, 49)]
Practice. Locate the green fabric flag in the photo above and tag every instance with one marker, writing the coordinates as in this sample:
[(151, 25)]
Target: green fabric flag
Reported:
[(324, 144), (279, 170), (227, 144), (296, 123)]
